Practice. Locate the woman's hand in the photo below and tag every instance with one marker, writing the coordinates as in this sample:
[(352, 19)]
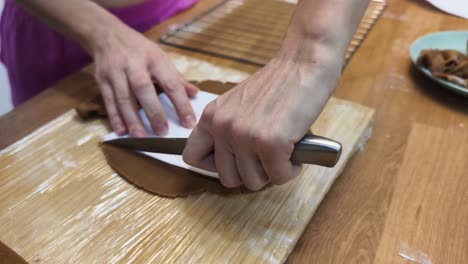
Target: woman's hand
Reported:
[(126, 65), (253, 127)]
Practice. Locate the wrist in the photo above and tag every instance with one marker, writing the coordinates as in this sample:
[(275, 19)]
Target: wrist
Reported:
[(98, 33), (316, 66), (313, 44), (312, 57)]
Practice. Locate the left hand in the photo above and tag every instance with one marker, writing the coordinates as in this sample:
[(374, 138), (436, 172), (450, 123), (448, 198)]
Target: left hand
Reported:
[(127, 63), (254, 126)]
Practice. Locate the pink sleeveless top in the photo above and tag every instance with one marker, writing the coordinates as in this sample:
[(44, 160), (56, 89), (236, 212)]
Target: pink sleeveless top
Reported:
[(36, 57)]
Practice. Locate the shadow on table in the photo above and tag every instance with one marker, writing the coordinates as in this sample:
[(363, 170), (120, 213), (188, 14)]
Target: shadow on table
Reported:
[(425, 5), (437, 93)]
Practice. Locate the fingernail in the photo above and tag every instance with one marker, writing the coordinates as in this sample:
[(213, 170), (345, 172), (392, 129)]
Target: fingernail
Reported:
[(230, 183), (120, 131), (161, 129), (189, 121), (195, 91)]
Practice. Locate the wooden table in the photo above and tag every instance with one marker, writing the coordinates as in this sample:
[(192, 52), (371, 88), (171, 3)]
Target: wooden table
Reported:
[(405, 194)]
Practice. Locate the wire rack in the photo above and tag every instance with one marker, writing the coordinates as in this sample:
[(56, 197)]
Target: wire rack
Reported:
[(251, 31)]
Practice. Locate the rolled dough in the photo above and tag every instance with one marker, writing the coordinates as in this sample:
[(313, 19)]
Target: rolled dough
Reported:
[(158, 177), (153, 175)]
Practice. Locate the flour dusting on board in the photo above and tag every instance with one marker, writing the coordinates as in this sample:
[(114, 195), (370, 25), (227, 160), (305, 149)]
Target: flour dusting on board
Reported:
[(84, 139), (199, 70), (44, 130), (364, 138), (46, 185), (69, 163), (57, 166), (257, 246), (60, 163)]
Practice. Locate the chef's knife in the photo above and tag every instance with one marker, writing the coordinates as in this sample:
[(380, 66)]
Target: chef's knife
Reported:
[(310, 149)]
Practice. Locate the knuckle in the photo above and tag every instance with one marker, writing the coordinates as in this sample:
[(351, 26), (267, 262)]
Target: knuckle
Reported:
[(183, 106), (106, 68), (205, 121), (264, 142), (134, 126), (140, 83), (123, 99), (153, 66), (118, 61), (153, 61), (208, 113), (221, 124), (101, 75), (210, 109), (240, 131), (188, 158), (272, 141), (156, 116), (172, 86), (107, 98)]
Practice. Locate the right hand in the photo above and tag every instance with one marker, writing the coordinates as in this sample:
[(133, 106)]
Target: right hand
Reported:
[(253, 127), (127, 63)]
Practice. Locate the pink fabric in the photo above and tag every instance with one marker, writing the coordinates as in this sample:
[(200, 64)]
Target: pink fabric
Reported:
[(36, 57)]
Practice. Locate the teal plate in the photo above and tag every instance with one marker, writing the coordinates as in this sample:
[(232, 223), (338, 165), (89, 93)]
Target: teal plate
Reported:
[(456, 40)]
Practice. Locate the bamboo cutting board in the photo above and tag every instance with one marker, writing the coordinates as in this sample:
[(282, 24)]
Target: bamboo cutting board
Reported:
[(61, 203)]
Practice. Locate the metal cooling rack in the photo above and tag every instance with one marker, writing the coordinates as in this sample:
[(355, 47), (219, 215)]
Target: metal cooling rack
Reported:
[(251, 31)]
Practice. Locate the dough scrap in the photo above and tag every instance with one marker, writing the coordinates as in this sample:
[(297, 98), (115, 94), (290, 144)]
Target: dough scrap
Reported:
[(450, 65), (95, 107)]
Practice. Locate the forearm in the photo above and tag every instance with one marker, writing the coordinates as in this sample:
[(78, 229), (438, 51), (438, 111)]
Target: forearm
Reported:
[(320, 30), (83, 21)]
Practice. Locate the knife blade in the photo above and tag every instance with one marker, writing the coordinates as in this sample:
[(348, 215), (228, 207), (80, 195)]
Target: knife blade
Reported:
[(311, 149)]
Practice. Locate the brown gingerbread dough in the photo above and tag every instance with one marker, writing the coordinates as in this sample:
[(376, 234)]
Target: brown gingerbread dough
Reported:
[(158, 177), (92, 108), (8, 256), (450, 65)]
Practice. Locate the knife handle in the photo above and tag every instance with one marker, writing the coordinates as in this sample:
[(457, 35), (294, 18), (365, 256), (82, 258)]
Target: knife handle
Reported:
[(316, 150)]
